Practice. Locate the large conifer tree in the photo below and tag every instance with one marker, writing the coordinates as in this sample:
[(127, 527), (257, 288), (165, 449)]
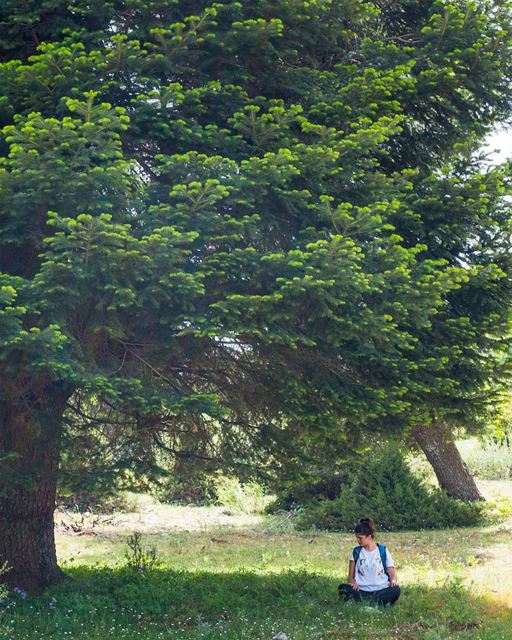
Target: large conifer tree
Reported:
[(245, 225)]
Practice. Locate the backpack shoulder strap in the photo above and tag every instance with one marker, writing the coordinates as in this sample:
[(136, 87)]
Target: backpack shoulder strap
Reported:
[(357, 553), (382, 551)]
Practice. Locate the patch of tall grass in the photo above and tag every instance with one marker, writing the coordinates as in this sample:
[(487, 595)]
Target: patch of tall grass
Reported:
[(240, 497), (489, 461)]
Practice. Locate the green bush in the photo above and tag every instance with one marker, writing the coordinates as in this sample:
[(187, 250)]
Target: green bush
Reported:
[(386, 489), (242, 498), (312, 485)]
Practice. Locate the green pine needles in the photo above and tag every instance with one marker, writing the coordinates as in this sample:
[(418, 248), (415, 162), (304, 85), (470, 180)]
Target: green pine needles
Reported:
[(246, 233)]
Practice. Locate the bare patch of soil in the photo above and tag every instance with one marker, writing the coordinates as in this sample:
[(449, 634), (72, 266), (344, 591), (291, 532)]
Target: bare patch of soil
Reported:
[(153, 518), (495, 489)]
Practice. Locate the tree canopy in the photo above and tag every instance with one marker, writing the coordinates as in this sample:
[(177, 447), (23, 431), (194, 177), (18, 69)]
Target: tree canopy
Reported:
[(242, 229)]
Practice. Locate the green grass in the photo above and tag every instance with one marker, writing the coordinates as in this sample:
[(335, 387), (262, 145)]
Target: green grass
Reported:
[(229, 584)]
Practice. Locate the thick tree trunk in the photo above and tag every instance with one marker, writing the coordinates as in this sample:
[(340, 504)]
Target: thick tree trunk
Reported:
[(452, 473), (29, 445)]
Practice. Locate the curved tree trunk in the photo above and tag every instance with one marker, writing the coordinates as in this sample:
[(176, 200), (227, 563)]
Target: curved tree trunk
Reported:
[(29, 446), (452, 473)]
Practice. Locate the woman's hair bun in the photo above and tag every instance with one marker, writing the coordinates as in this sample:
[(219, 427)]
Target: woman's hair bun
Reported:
[(366, 526)]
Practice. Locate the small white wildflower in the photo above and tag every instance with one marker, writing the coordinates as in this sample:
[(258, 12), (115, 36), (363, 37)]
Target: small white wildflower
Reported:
[(372, 609)]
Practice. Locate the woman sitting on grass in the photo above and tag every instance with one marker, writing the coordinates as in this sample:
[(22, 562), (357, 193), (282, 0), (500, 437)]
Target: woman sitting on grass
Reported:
[(371, 570)]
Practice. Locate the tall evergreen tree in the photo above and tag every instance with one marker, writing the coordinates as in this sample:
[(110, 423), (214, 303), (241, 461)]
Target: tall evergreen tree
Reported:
[(242, 228)]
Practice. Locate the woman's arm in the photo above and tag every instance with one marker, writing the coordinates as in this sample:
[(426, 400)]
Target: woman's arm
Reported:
[(352, 575), (392, 576)]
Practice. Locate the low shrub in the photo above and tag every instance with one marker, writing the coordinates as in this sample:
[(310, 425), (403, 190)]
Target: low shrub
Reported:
[(499, 509), (313, 485), (386, 489), (242, 498)]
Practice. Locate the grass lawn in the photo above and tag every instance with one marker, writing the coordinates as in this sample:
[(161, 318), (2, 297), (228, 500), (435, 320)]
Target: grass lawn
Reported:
[(257, 579)]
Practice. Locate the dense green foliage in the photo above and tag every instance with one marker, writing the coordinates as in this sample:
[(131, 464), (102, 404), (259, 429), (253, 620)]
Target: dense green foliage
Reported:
[(386, 489), (202, 202)]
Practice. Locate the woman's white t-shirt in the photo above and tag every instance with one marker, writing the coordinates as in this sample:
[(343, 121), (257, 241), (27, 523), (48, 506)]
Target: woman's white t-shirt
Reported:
[(370, 574)]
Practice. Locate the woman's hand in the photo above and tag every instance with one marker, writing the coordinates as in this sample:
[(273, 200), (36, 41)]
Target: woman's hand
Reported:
[(354, 585), (392, 577)]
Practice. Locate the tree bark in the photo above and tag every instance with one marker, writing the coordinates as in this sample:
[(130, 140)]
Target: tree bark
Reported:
[(29, 445), (452, 473)]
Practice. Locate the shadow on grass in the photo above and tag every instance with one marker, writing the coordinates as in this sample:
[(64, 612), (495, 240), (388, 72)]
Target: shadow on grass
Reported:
[(178, 603)]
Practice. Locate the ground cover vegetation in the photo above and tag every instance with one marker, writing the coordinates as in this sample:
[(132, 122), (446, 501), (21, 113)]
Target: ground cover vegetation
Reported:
[(243, 234), (255, 583)]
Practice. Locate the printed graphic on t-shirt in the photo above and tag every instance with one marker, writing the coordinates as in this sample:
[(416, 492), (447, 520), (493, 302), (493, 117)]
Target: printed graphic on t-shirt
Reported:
[(373, 564)]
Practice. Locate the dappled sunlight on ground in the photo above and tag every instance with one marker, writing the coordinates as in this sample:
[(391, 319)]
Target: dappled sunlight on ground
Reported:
[(226, 576), (205, 540), (490, 572)]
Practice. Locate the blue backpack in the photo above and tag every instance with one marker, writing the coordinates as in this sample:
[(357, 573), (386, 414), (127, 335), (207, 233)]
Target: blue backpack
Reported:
[(382, 552)]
